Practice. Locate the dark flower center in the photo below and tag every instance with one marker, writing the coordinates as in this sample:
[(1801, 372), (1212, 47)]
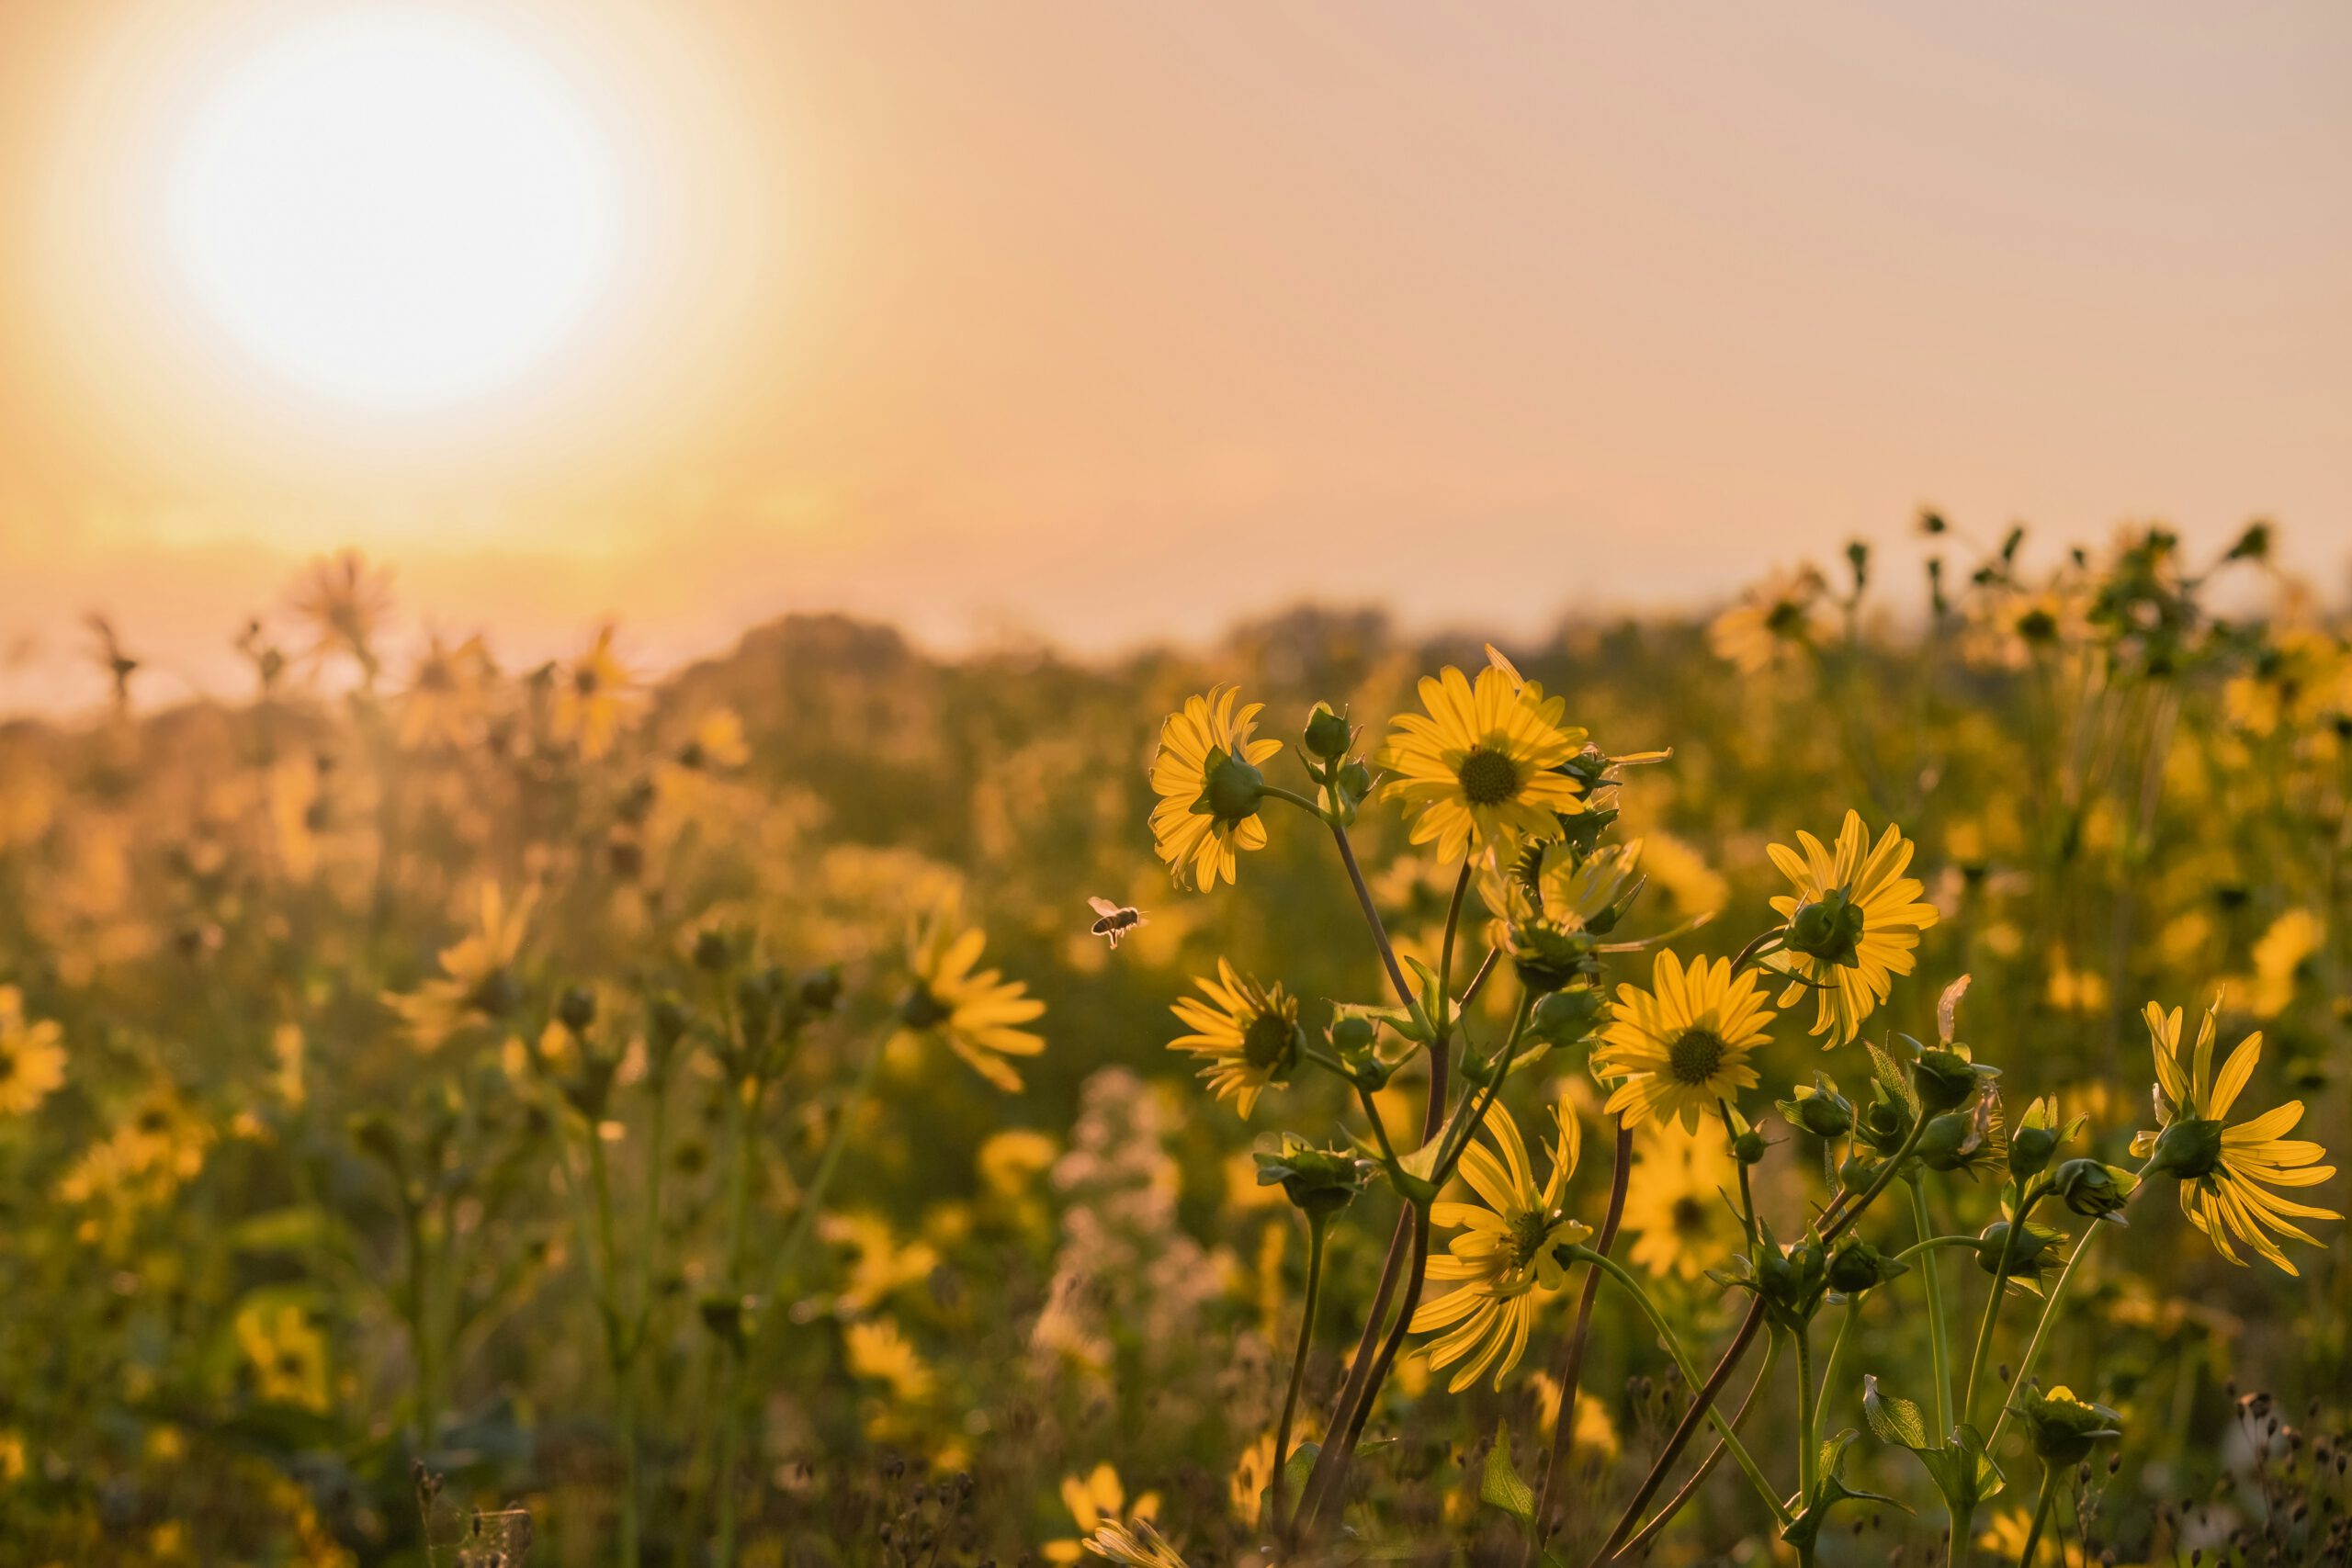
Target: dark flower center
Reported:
[(1528, 1229), (923, 1010), (1785, 618), (1689, 1214), (1694, 1056), (1270, 1042), (1487, 777)]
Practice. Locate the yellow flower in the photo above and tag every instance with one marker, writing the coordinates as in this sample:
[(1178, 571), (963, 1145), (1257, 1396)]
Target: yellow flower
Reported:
[(288, 1355), (878, 1353), (1478, 769), (477, 983), (1248, 1033), (1771, 621), (1008, 1160), (1205, 775), (2279, 959), (1682, 1045), (448, 693), (881, 1267), (1853, 922), (1674, 1206), (2004, 1537), (2009, 627), (1252, 1473), (1094, 1501), (12, 1456), (33, 1056), (2226, 1172), (1504, 1253), (972, 1014), (593, 697), (344, 602), (717, 743)]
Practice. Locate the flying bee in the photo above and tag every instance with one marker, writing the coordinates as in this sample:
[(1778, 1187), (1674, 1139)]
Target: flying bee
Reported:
[(1113, 920)]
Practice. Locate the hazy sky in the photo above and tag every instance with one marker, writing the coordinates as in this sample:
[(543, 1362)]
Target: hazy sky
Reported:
[(1108, 321)]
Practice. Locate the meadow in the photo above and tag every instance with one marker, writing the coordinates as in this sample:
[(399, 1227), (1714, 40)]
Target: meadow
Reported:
[(457, 1112)]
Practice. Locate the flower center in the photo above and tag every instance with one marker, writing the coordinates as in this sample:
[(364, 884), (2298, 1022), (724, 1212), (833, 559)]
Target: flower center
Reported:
[(1528, 1229), (923, 1010), (1689, 1215), (1785, 619), (1267, 1044), (1489, 777), (1694, 1056)]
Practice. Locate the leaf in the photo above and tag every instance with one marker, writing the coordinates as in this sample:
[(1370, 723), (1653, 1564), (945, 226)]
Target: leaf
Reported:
[(1948, 1009), (297, 1229), (1895, 1419), (1501, 1484)]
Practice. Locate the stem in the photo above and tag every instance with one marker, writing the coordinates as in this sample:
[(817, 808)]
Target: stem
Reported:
[(1836, 1223), (1674, 1505), (1567, 1367), (1829, 1373), (2049, 1316), (1316, 1224), (812, 1197), (1689, 1371), (1939, 1349), (730, 1400), (2041, 1514), (1993, 1303), (1808, 1413), (618, 1352)]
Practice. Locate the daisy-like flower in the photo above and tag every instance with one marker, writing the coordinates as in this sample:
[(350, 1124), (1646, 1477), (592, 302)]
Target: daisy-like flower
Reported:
[(1682, 1045), (879, 1353), (1504, 1254), (1094, 1500), (2226, 1172), (33, 1056), (1674, 1208), (344, 602), (1771, 621), (1552, 906), (1248, 1033), (1205, 773), (1480, 768), (1853, 922), (2009, 628), (972, 1012), (477, 983), (289, 1357), (592, 695)]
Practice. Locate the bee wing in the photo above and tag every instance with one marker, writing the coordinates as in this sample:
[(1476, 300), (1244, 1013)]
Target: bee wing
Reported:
[(1104, 907)]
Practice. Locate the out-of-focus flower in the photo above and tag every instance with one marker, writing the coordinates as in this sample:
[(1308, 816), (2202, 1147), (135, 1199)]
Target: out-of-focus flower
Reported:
[(289, 1357), (1682, 1046), (2279, 959), (1674, 1207), (2226, 1172), (1248, 1033), (448, 696), (1481, 767), (880, 1265), (717, 743), (1094, 1500), (593, 695), (2009, 627), (33, 1056), (1252, 1473), (1135, 1546), (1854, 922), (1504, 1254), (1205, 773), (879, 1353), (973, 1013), (342, 602), (477, 983), (1772, 622)]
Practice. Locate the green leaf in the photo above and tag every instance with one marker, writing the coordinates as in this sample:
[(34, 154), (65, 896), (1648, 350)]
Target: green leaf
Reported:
[(297, 1229), (1895, 1419), (1501, 1484)]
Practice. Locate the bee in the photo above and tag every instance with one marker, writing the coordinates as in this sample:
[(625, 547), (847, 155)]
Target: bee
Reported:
[(1113, 920)]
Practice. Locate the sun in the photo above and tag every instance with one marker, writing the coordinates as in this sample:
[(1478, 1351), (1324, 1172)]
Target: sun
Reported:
[(395, 207)]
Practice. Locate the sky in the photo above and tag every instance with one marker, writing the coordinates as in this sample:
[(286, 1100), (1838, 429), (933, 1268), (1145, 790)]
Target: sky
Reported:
[(1111, 323)]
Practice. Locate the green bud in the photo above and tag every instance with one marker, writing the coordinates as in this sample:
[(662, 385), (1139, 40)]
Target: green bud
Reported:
[(1748, 1146), (1352, 1032), (1820, 1109), (1857, 1265), (728, 1317), (1885, 1124), (1944, 1080), (2091, 1189), (1568, 1016), (2030, 1149), (1548, 959), (1857, 1171), (1948, 1141), (2063, 1428), (666, 1022), (2188, 1149), (1319, 1182), (1355, 781), (2033, 1255), (821, 990), (713, 952), (1328, 736)]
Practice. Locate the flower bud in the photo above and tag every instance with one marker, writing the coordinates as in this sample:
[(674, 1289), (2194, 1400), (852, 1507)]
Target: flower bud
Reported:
[(2030, 1149), (1857, 1265), (1319, 1182), (2033, 1254), (1568, 1016), (1828, 929), (1233, 790), (1820, 1108), (1355, 781), (1945, 1079), (666, 1022), (1328, 736), (2063, 1428), (576, 1008), (821, 990), (713, 952), (1748, 1146), (1948, 1141), (1352, 1032), (2092, 1190)]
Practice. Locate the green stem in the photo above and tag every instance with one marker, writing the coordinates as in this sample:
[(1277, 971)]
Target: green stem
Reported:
[(2041, 1514), (1808, 1414), (741, 1102), (1932, 1244), (2049, 1316), (619, 1353), (1993, 1302), (812, 1197), (1315, 1225), (1829, 1374), (1674, 1347), (1939, 1347)]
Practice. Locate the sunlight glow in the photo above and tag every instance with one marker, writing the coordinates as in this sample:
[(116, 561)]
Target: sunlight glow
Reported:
[(395, 207)]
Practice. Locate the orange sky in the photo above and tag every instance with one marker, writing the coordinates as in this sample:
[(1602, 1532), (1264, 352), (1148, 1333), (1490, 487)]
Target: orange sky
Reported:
[(1114, 321)]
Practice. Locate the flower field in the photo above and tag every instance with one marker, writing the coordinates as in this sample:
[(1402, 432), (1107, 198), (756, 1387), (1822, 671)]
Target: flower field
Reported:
[(1845, 1077)]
